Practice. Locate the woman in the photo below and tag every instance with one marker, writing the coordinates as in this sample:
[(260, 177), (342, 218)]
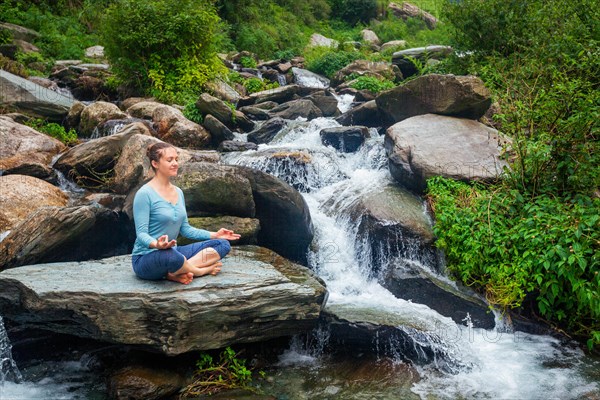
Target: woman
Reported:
[(160, 216)]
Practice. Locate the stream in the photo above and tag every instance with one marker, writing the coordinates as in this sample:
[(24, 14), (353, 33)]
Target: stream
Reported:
[(489, 364)]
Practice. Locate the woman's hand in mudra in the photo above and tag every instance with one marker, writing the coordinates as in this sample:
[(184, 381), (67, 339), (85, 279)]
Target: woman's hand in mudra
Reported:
[(226, 234), (163, 243)]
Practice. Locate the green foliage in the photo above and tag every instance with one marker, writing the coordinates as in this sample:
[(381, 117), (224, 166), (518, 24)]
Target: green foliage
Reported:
[(327, 61), (248, 62), (61, 36), (5, 36), (354, 11), (287, 54), (55, 130), (372, 84), (514, 246), (191, 112), (254, 85), (164, 47), (211, 377)]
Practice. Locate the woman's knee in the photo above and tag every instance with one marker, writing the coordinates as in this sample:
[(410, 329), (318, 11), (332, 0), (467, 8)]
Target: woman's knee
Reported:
[(222, 247)]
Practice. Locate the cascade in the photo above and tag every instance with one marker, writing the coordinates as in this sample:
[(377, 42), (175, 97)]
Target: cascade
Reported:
[(8, 368)]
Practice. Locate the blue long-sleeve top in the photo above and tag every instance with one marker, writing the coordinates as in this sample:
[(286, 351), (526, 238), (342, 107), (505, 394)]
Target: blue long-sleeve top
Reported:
[(155, 216)]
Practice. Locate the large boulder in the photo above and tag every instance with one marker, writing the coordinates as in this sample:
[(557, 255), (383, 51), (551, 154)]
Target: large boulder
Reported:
[(95, 114), (302, 108), (404, 59), (21, 195), (133, 166), (229, 146), (407, 10), (378, 69), (218, 131), (144, 383), (172, 127), (458, 96), (255, 113), (267, 131), (208, 104), (257, 296), (143, 109), (318, 40), (393, 45), (327, 103), (90, 163), (26, 151), (223, 91), (433, 145), (31, 98), (66, 234), (370, 37), (307, 79), (95, 52), (366, 114), (248, 228), (19, 32), (286, 226), (347, 139), (211, 189)]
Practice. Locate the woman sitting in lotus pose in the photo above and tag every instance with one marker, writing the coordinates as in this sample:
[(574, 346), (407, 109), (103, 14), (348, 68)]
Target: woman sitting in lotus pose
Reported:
[(160, 216)]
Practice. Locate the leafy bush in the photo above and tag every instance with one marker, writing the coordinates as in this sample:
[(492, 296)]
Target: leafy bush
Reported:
[(254, 85), (372, 84), (287, 54), (514, 247), (164, 47), (327, 61), (248, 62), (191, 112), (55, 130), (354, 11)]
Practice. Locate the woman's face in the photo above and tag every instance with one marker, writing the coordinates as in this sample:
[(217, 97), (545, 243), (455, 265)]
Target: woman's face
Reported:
[(168, 163)]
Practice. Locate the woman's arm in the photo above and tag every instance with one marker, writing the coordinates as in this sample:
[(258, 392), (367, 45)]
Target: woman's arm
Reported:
[(141, 217)]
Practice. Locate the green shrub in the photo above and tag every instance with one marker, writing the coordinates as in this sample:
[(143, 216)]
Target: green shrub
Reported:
[(327, 61), (372, 84), (287, 54), (254, 85), (191, 112), (248, 62), (515, 246), (14, 67), (354, 11), (164, 47), (5, 36), (55, 130)]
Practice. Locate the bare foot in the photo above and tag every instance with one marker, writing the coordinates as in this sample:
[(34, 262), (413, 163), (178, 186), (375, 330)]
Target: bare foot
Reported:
[(185, 278), (212, 269)]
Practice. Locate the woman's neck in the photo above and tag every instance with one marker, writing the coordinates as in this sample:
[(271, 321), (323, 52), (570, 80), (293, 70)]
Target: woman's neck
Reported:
[(161, 181)]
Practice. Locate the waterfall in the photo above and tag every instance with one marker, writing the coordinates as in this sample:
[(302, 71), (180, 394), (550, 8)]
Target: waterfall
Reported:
[(8, 368)]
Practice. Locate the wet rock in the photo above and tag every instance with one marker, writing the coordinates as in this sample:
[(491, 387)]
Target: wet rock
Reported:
[(366, 114), (95, 114), (345, 139), (307, 79), (30, 98), (378, 69), (74, 115), (91, 163), (458, 96), (248, 228), (326, 103), (284, 67), (293, 166), (259, 295), (113, 126), (433, 145), (403, 58), (22, 195), (296, 109), (283, 213), (172, 127), (133, 166), (413, 333), (144, 383), (218, 131), (236, 145), (26, 151), (267, 131)]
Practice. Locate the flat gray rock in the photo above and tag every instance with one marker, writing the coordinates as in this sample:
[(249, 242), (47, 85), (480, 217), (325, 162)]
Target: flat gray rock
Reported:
[(259, 295)]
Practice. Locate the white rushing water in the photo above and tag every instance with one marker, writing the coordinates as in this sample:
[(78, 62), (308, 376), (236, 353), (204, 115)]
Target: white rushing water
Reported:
[(495, 365)]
